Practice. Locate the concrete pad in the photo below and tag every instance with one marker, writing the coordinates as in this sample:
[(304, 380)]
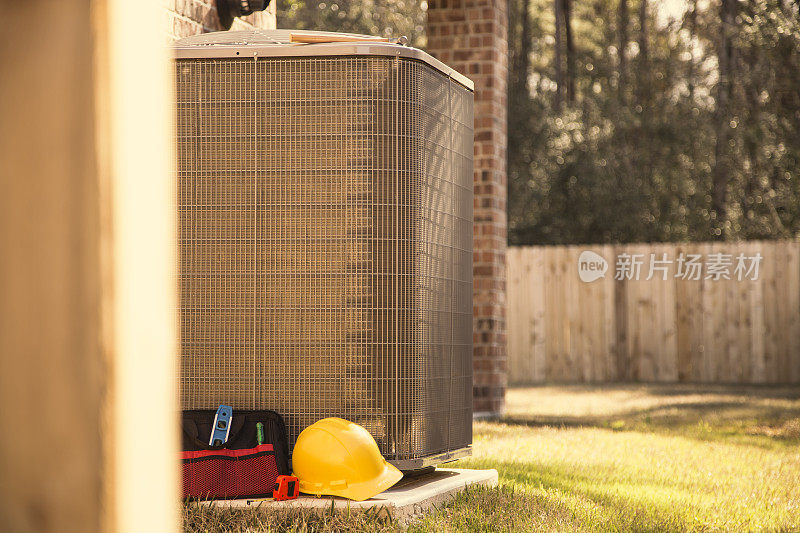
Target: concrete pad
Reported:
[(408, 499)]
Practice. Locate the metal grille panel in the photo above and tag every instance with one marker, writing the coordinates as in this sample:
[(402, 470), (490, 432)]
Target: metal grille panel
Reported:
[(325, 215)]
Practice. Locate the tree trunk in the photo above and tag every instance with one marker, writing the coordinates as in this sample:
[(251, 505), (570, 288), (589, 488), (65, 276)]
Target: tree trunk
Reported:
[(643, 31), (721, 173), (559, 72), (643, 82), (525, 40), (623, 19), (567, 11), (524, 59), (690, 75)]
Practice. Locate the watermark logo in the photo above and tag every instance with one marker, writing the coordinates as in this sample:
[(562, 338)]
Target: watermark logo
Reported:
[(690, 267), (591, 266)]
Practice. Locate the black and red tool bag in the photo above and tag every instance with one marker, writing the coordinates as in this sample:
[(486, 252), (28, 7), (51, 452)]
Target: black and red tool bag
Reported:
[(239, 468)]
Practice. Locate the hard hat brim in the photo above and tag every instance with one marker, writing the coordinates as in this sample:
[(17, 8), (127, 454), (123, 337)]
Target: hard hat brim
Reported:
[(360, 491)]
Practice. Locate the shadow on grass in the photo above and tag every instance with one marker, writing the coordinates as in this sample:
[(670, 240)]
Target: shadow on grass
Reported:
[(554, 505), (732, 421), (545, 498), (501, 508), (201, 518), (782, 392)]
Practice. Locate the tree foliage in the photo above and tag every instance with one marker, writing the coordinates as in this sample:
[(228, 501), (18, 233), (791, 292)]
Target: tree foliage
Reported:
[(682, 128), (386, 18)]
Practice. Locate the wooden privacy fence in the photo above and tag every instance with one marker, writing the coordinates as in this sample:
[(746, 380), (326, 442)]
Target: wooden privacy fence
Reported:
[(693, 328)]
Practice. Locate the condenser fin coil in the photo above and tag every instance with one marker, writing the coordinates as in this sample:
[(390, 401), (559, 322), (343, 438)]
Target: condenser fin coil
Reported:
[(325, 217)]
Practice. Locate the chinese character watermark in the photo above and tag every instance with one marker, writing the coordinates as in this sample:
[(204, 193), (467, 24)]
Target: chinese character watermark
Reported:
[(629, 266), (687, 267)]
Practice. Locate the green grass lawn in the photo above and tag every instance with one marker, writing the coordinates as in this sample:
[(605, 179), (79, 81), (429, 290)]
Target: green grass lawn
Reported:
[(623, 458)]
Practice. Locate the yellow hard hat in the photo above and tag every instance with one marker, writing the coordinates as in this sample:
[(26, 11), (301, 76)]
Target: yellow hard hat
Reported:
[(339, 458)]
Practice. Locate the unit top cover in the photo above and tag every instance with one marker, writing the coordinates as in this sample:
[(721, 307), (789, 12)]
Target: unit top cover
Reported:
[(278, 43)]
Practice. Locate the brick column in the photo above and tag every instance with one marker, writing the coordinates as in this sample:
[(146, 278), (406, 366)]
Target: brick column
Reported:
[(471, 36)]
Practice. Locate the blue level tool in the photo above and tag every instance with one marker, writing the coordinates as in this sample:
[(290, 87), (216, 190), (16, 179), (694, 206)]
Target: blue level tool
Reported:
[(222, 426)]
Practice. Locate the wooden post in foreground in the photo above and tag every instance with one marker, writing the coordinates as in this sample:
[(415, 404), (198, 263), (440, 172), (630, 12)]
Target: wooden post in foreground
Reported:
[(87, 292)]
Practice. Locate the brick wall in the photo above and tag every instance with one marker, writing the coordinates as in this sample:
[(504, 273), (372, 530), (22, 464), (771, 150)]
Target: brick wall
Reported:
[(471, 36), (190, 17)]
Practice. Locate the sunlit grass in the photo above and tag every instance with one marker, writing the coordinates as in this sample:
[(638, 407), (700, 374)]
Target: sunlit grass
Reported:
[(628, 458), (634, 481)]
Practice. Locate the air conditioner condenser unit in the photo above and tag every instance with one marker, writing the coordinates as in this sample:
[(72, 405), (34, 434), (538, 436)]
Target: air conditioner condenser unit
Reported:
[(325, 237)]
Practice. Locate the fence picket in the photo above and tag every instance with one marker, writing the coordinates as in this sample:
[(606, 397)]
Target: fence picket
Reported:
[(739, 331)]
